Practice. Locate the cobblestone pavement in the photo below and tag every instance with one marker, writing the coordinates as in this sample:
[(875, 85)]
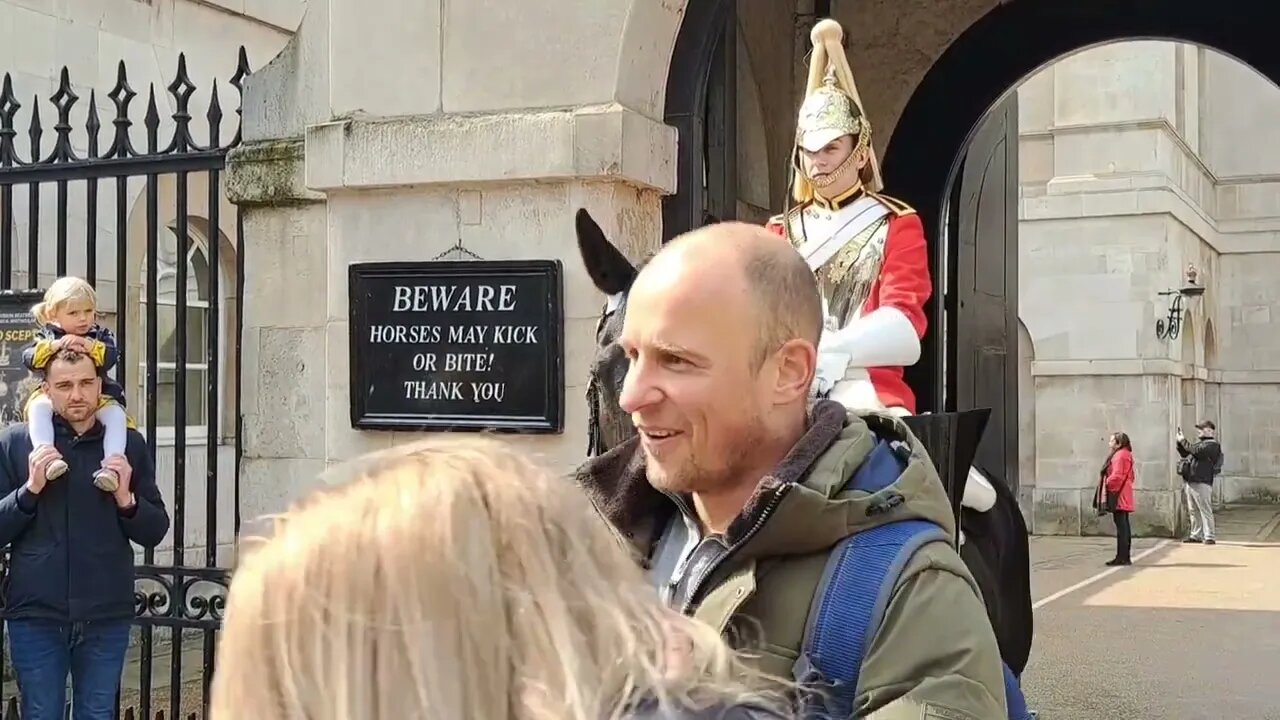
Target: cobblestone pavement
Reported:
[(1189, 632)]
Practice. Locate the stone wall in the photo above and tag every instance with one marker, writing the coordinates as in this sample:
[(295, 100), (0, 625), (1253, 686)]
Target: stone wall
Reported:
[(1134, 164), (437, 145)]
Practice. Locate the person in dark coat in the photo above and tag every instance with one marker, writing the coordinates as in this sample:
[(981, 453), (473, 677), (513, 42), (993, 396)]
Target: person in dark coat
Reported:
[(1200, 462), (69, 601)]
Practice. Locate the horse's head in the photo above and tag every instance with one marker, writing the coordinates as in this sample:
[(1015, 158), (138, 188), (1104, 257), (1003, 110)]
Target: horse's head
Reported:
[(612, 274)]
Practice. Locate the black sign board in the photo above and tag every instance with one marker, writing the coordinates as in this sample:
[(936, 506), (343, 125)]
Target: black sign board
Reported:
[(17, 326), (457, 345)]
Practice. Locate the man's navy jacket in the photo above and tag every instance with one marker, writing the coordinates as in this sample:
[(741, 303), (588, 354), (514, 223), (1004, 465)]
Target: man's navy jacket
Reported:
[(71, 557)]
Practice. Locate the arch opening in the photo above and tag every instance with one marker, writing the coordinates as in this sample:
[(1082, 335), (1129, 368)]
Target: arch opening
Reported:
[(986, 64), (212, 306), (924, 158), (926, 162)]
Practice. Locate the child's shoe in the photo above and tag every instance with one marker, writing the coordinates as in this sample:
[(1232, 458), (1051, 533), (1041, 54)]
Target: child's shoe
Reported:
[(106, 480), (57, 468)]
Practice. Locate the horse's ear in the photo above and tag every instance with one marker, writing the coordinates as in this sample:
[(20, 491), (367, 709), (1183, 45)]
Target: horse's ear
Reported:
[(609, 269)]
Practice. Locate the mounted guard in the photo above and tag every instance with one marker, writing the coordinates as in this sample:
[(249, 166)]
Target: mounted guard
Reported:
[(869, 254), (867, 249)]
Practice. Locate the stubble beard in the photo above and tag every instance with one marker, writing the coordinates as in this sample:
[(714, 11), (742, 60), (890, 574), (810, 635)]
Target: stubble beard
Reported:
[(77, 414), (693, 476)]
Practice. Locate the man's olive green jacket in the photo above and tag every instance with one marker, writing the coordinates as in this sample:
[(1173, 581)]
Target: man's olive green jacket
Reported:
[(934, 656)]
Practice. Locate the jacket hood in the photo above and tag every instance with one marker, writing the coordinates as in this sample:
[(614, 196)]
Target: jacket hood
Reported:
[(802, 506)]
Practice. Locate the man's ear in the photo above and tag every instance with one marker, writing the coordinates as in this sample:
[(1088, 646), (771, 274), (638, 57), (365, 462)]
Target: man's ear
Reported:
[(797, 362)]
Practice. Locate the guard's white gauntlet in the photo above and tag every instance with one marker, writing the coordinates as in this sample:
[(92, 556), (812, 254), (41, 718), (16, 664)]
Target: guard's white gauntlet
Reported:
[(856, 392)]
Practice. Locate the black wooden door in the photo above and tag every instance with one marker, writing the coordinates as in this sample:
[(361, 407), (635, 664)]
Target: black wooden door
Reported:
[(984, 220)]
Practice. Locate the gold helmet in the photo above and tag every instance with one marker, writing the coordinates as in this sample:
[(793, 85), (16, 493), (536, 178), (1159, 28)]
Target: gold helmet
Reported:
[(831, 108)]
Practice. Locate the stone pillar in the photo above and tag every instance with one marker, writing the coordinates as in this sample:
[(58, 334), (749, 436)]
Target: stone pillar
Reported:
[(377, 136)]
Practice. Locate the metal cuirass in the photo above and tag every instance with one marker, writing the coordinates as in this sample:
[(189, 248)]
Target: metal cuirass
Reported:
[(845, 248)]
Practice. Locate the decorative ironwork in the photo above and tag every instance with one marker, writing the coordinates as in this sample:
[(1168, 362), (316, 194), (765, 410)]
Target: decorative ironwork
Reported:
[(181, 597), (1170, 326), (121, 158), (170, 600)]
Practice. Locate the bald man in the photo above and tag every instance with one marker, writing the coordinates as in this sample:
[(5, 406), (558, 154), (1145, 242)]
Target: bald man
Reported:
[(734, 489)]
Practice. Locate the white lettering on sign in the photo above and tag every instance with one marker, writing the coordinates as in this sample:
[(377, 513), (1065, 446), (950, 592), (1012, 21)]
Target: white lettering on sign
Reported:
[(469, 334), (454, 298), (515, 334), (468, 362), (405, 334), (451, 351), (488, 391), (423, 390)]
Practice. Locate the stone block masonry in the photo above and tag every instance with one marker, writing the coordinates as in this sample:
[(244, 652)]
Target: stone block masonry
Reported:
[(348, 159)]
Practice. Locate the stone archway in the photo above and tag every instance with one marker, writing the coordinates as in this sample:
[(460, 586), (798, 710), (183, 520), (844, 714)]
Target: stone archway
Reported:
[(701, 29), (926, 104), (983, 66), (1008, 44)]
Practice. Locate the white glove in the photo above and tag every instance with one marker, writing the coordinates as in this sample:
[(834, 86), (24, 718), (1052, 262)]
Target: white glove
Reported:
[(885, 338), (831, 370), (856, 392)]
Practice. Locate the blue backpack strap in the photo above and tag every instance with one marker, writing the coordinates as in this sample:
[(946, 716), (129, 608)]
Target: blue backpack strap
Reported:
[(1016, 701), (854, 591)]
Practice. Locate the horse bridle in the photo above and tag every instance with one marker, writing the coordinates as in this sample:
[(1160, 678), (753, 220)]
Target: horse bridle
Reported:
[(594, 438)]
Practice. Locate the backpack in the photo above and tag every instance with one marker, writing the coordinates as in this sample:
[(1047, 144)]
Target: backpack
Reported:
[(1184, 467), (854, 590)]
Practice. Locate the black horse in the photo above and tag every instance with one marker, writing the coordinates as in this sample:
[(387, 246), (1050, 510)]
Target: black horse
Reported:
[(996, 542)]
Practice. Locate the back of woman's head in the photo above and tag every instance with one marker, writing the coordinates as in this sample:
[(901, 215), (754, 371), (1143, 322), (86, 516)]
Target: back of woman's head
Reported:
[(454, 579)]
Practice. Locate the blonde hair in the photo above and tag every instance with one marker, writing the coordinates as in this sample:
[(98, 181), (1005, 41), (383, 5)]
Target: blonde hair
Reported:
[(455, 579), (63, 292)]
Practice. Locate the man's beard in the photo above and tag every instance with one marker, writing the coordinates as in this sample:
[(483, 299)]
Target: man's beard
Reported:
[(694, 477), (77, 413)]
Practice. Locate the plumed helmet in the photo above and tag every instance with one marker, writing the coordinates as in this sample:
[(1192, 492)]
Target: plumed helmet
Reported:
[(832, 107)]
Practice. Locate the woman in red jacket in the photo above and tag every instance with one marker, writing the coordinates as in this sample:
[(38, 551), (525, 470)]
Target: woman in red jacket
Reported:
[(1116, 490)]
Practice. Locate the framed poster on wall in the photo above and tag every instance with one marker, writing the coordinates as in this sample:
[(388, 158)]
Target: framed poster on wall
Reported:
[(17, 326)]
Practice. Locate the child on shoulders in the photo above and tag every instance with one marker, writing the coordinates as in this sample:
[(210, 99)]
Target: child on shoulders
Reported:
[(68, 322)]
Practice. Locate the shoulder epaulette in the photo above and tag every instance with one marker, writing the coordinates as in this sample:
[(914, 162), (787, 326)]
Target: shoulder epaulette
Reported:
[(791, 213), (898, 207)]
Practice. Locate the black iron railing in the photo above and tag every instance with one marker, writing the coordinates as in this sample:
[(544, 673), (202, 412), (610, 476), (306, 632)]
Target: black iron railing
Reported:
[(171, 272)]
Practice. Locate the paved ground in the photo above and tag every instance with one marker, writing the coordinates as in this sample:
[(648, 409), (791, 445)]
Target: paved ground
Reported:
[(1189, 632)]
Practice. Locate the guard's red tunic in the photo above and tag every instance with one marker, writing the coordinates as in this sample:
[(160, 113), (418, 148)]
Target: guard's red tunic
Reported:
[(904, 284)]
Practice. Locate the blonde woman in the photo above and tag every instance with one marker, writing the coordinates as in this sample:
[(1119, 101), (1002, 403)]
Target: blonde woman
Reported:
[(454, 579)]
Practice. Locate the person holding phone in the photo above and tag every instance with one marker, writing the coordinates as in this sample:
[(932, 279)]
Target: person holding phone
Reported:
[(1199, 463)]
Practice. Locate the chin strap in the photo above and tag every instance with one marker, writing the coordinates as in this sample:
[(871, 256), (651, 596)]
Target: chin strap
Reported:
[(885, 338)]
